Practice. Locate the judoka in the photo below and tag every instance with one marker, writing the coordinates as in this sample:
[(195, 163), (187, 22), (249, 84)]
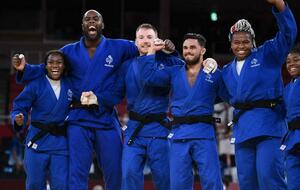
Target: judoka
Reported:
[(291, 141), (145, 133), (254, 82), (46, 149), (193, 93), (92, 121)]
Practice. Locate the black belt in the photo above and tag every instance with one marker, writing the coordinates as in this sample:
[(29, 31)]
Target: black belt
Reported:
[(53, 129), (243, 107), (294, 124), (78, 105), (145, 119), (209, 119)]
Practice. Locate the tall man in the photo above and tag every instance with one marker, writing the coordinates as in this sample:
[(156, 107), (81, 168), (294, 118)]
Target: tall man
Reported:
[(193, 94), (254, 82), (92, 123)]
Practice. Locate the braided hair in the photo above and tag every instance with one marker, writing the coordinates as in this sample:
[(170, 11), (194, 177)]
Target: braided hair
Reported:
[(242, 26)]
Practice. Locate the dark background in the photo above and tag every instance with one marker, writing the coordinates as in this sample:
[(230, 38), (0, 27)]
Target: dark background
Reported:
[(53, 20)]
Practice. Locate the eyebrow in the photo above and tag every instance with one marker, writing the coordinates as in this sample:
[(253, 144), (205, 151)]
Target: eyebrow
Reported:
[(89, 17)]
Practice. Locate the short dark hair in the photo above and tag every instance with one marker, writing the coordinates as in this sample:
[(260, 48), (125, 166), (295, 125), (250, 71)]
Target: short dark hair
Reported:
[(147, 26), (58, 52), (99, 15), (296, 49), (201, 39)]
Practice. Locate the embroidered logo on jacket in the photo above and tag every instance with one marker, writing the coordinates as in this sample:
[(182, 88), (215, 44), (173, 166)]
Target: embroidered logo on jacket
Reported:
[(109, 61), (70, 94), (161, 66), (254, 63), (208, 78)]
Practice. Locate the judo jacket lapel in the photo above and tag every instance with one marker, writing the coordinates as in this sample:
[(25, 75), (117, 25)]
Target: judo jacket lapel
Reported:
[(94, 66)]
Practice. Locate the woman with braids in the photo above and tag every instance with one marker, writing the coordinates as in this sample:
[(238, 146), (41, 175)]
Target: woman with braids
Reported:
[(254, 82), (291, 142)]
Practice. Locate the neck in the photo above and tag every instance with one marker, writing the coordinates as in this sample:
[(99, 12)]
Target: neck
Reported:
[(194, 68), (53, 80), (92, 43), (240, 60)]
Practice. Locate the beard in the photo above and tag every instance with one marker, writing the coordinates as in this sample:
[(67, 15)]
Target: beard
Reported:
[(89, 37), (193, 61)]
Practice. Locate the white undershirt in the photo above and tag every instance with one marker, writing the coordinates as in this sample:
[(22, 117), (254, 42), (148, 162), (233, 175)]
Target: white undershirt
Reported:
[(55, 84), (239, 66)]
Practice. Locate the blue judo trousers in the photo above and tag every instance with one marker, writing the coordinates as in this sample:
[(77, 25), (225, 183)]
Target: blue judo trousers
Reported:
[(257, 133), (96, 129), (189, 142), (150, 145), (291, 141), (48, 157)]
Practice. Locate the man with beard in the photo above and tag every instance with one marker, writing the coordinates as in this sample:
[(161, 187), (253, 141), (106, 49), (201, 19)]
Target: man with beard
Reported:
[(92, 122), (193, 94), (46, 149)]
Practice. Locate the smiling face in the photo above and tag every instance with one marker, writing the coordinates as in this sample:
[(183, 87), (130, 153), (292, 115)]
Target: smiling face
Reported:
[(192, 51), (241, 45), (55, 66), (92, 25), (144, 38), (293, 64)]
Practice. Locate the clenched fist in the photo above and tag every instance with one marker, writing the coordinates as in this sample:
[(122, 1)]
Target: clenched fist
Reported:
[(18, 61)]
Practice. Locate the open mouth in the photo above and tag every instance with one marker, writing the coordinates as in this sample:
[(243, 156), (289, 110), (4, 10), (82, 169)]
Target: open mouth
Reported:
[(92, 30), (55, 72), (241, 52), (292, 69), (146, 46)]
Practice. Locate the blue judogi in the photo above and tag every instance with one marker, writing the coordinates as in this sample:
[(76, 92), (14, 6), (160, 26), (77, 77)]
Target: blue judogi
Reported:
[(96, 129), (189, 142), (291, 99), (49, 154), (151, 143), (258, 131)]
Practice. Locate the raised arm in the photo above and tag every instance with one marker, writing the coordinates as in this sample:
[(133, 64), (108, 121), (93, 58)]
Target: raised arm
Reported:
[(26, 72), (154, 73), (156, 69), (280, 45), (279, 4)]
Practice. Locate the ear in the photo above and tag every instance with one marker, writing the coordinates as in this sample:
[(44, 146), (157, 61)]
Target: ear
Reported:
[(102, 26), (203, 50)]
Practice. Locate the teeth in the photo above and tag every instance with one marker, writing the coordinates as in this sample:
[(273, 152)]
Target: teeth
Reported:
[(92, 28), (92, 32)]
